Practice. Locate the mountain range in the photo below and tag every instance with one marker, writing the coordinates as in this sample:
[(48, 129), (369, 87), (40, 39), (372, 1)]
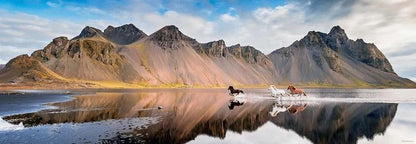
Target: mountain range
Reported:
[(125, 56)]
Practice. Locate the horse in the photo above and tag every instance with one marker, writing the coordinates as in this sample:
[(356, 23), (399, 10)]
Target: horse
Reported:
[(276, 91), (233, 91), (277, 108), (293, 109), (293, 91), (289, 106), (232, 104)]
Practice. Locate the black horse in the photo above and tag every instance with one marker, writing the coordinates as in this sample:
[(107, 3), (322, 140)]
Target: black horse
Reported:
[(232, 104), (233, 91)]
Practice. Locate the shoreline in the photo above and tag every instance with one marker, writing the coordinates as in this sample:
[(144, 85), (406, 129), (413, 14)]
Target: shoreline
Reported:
[(33, 102), (76, 91)]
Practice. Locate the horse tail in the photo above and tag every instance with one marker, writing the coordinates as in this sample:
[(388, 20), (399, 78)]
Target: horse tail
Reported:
[(304, 93)]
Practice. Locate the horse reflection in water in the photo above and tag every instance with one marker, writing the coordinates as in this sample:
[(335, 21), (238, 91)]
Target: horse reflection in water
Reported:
[(239, 100), (291, 107)]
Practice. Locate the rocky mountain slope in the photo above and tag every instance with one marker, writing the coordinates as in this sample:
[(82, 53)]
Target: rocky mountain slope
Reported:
[(333, 59), (165, 58), (170, 57), (25, 69), (127, 55)]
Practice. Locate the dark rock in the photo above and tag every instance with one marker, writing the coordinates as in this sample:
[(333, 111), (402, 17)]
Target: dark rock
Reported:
[(367, 53), (214, 48), (125, 34), (54, 49), (89, 32), (249, 54), (169, 37)]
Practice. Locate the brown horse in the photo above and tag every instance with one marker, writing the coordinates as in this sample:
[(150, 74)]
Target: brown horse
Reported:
[(233, 91), (293, 109), (293, 91)]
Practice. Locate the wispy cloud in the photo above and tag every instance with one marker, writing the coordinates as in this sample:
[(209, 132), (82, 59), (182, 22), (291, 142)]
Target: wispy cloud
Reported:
[(24, 33), (86, 10), (54, 4)]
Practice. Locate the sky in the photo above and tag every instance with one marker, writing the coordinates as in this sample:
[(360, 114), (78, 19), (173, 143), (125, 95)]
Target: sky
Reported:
[(28, 25)]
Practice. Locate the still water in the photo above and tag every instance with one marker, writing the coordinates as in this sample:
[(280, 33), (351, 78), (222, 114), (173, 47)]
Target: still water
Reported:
[(210, 116)]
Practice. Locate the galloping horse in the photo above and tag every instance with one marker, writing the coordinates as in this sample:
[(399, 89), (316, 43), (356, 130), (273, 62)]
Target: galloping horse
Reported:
[(233, 91), (275, 92), (293, 91)]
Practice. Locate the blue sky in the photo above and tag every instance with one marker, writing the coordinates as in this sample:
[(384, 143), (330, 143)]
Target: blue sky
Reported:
[(73, 10), (28, 25)]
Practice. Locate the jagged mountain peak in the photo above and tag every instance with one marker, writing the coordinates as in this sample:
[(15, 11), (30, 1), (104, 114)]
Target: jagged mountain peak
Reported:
[(125, 34), (313, 38), (170, 37), (360, 40), (54, 49), (169, 33), (89, 32), (60, 40), (333, 58), (125, 26), (337, 31)]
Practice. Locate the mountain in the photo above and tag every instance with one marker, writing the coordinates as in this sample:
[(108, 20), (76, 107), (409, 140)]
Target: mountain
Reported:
[(170, 57), (333, 59), (125, 56), (167, 57), (1, 66), (125, 34), (25, 69), (87, 57)]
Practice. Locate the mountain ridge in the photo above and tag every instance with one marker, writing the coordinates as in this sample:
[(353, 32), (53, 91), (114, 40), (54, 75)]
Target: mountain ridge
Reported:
[(167, 57), (328, 58)]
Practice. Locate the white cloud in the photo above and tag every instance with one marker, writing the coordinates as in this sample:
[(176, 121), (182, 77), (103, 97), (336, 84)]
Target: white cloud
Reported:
[(228, 18)]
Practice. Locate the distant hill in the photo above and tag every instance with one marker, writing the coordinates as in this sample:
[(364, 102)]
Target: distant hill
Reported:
[(1, 66), (125, 56)]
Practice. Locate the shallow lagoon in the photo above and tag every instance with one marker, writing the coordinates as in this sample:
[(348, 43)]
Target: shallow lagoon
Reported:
[(210, 116)]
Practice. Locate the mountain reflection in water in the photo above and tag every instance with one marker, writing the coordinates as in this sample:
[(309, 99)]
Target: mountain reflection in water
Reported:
[(189, 113)]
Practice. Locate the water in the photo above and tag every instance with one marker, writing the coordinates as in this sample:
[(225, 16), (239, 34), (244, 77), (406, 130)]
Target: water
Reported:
[(211, 116)]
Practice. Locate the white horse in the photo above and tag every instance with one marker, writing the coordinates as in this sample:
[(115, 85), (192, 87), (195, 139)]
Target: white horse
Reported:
[(277, 92), (277, 108)]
